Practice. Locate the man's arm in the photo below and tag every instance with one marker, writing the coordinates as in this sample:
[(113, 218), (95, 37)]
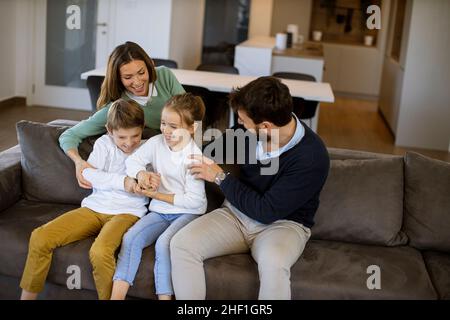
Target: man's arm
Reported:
[(291, 191)]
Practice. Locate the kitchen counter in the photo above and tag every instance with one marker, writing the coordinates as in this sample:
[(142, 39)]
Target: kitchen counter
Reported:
[(258, 57), (309, 50)]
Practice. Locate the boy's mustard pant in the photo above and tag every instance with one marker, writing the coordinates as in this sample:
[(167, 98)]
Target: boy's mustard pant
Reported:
[(73, 226)]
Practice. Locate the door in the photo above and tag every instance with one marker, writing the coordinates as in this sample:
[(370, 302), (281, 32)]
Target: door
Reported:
[(70, 36)]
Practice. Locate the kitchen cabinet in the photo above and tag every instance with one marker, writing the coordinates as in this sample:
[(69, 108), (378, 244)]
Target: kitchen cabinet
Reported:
[(353, 69)]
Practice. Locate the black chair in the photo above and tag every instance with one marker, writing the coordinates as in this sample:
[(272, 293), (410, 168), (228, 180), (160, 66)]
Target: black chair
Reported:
[(94, 84), (218, 68), (219, 99), (165, 62), (207, 97), (303, 109)]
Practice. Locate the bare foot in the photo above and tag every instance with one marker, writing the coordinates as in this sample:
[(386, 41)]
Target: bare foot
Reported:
[(27, 295)]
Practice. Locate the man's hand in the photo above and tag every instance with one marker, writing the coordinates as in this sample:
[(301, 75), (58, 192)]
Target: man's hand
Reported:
[(148, 180), (80, 165), (130, 184), (204, 168)]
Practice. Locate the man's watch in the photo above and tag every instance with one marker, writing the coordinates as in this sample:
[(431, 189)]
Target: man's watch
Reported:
[(220, 176)]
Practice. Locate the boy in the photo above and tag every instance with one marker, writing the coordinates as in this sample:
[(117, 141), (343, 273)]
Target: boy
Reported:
[(107, 213)]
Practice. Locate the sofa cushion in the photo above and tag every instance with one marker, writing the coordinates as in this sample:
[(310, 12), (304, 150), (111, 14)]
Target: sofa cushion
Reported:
[(336, 270), (328, 270), (362, 202), (427, 202), (16, 225), (48, 175), (438, 265)]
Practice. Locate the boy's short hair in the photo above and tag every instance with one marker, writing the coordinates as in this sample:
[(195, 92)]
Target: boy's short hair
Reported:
[(188, 106), (264, 99), (125, 114)]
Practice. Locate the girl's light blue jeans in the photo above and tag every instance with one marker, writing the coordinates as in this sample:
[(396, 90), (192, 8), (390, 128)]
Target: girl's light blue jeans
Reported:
[(151, 227)]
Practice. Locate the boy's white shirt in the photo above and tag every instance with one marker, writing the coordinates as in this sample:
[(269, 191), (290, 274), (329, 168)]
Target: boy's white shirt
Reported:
[(108, 189), (189, 193)]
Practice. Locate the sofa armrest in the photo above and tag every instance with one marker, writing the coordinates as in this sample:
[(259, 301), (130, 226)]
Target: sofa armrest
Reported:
[(10, 177)]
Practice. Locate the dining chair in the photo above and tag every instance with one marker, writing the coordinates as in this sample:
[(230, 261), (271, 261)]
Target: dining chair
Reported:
[(303, 109), (165, 62)]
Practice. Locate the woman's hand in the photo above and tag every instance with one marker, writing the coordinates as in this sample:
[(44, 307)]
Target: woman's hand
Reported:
[(80, 165)]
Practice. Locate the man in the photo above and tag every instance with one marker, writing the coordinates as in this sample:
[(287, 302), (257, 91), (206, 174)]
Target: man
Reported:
[(268, 214)]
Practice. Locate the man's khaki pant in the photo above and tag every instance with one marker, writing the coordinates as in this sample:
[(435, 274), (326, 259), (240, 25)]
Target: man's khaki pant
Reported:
[(73, 226), (275, 248)]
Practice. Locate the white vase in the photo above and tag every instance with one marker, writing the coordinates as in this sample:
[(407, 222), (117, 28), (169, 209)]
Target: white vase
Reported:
[(317, 35)]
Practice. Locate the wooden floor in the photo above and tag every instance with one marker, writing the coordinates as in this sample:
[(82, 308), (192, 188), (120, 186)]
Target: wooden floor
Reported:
[(347, 123), (10, 115), (357, 125)]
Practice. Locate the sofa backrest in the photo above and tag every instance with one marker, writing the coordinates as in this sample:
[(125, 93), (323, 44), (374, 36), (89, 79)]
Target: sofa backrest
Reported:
[(48, 175), (10, 190), (362, 200), (427, 202)]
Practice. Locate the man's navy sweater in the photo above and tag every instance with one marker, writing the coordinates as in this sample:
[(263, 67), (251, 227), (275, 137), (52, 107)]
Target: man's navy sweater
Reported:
[(292, 193)]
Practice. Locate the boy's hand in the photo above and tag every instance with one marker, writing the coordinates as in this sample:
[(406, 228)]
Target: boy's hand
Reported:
[(80, 165), (148, 180), (130, 184)]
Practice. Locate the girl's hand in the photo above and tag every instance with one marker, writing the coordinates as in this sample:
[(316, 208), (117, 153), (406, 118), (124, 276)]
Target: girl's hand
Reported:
[(80, 165), (151, 192), (148, 180), (155, 180)]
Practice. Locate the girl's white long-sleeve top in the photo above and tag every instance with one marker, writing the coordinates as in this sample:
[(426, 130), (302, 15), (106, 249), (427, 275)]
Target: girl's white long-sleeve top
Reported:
[(189, 193), (108, 189)]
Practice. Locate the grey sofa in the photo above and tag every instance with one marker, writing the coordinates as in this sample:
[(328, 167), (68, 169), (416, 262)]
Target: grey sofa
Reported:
[(378, 212)]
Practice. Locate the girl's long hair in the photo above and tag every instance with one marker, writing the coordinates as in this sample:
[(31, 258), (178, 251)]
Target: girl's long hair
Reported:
[(112, 87)]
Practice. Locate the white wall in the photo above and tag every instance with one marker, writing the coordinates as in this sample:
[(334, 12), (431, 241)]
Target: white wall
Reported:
[(260, 19), (146, 22), (291, 12), (424, 119), (7, 49), (24, 40), (187, 32)]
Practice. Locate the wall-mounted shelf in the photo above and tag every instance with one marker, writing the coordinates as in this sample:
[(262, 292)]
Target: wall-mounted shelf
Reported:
[(342, 21)]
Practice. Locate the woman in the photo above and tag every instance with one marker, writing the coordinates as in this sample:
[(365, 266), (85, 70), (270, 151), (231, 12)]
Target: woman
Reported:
[(130, 74)]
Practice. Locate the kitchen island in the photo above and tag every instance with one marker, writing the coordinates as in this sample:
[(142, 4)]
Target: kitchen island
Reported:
[(259, 57)]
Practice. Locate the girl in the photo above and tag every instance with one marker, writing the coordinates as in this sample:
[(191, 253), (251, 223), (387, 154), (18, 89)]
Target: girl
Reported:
[(179, 199), (130, 75)]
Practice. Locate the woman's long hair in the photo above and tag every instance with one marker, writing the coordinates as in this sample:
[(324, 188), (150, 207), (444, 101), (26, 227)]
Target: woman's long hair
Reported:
[(112, 87)]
